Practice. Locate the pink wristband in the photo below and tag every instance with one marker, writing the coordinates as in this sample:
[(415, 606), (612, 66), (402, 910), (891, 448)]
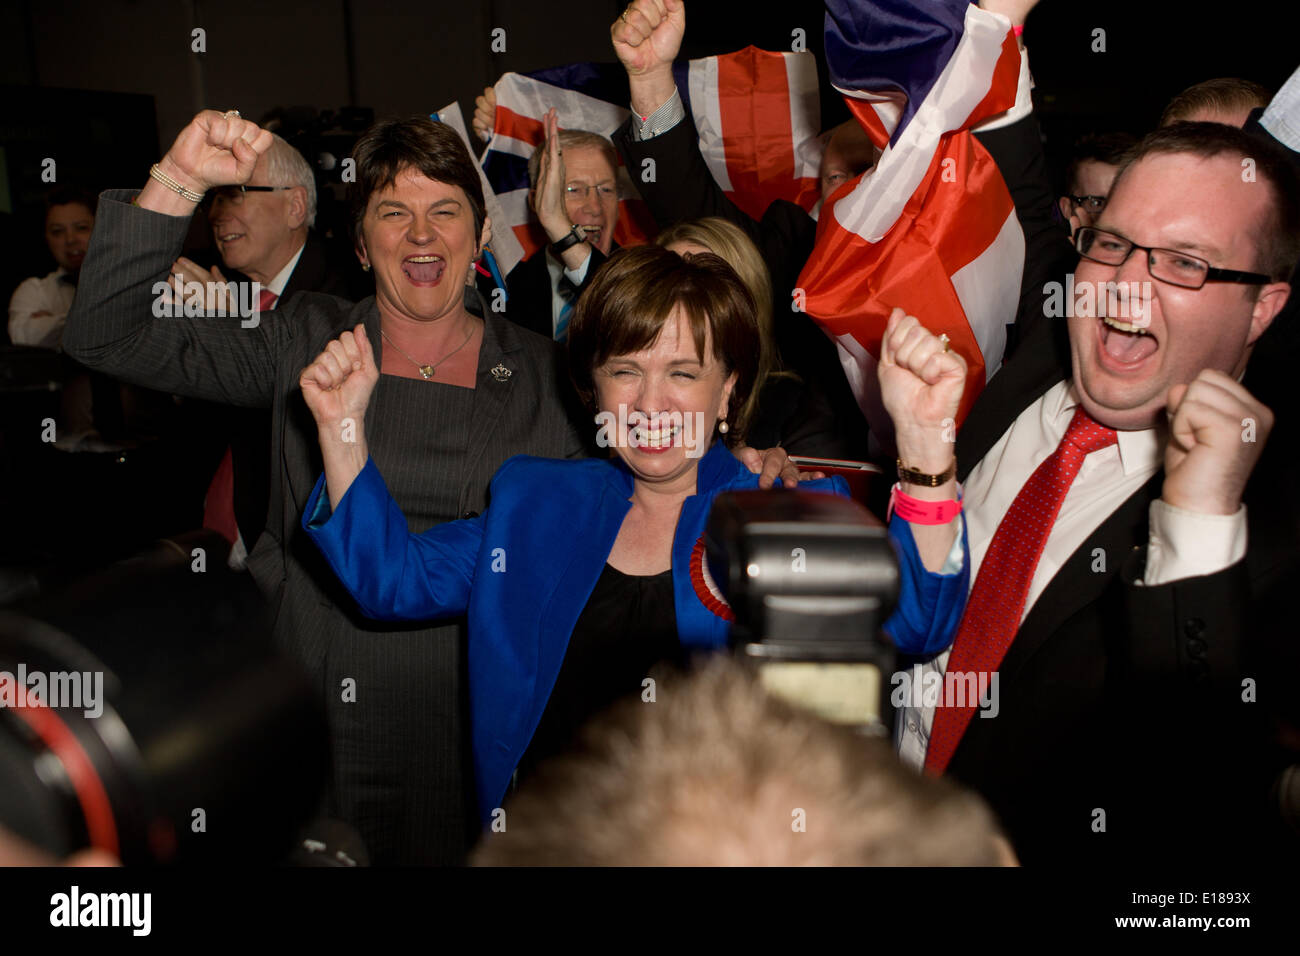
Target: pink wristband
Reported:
[(1018, 30), (916, 511)]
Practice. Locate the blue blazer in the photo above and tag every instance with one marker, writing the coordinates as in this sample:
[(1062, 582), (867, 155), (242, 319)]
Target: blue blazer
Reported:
[(525, 569)]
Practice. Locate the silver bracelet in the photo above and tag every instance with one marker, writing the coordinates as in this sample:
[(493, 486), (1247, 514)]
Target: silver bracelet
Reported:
[(173, 185)]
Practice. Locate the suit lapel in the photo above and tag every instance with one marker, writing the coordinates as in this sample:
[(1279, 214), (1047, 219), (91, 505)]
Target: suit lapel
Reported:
[(1075, 584), (497, 373)]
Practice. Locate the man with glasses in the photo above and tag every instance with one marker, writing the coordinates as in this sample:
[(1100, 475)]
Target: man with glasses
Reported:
[(263, 232), (1089, 176), (1133, 538), (573, 189)]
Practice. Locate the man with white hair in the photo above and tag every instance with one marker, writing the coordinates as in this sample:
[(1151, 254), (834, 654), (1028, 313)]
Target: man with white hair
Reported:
[(263, 233)]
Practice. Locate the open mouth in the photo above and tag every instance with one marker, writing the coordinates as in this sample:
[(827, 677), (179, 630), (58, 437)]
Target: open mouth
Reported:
[(1124, 346), (424, 270), (230, 237), (593, 234)]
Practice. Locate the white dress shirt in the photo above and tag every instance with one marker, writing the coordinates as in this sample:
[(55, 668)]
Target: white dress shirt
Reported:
[(1181, 544), (555, 269), (48, 294)]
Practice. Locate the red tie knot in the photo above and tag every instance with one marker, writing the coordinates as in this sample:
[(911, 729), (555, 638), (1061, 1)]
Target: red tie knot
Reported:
[(265, 300), (1086, 435)]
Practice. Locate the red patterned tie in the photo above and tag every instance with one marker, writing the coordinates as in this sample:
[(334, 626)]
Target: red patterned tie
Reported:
[(266, 300), (997, 600)]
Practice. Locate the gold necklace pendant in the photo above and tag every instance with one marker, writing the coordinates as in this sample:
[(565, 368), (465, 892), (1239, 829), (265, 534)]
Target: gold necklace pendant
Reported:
[(426, 371)]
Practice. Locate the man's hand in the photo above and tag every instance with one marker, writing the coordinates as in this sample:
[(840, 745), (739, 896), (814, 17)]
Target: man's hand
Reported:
[(216, 149), (647, 37), (485, 114), (338, 384), (771, 465), (214, 296), (548, 197), (921, 385), (1217, 431)]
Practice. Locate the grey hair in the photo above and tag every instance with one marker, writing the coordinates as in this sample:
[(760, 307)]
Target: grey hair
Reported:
[(285, 166), (572, 139)]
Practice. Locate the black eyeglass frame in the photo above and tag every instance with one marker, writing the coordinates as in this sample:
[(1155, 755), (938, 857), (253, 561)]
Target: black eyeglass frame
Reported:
[(212, 195), (1212, 274)]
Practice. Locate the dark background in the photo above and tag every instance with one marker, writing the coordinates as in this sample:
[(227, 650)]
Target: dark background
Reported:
[(103, 87)]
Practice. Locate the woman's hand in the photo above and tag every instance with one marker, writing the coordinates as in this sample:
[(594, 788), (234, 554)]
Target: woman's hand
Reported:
[(337, 388), (921, 384), (485, 114), (216, 149), (338, 384)]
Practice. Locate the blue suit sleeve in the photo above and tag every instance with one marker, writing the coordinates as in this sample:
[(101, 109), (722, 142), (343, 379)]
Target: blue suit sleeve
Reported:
[(930, 603), (394, 575)]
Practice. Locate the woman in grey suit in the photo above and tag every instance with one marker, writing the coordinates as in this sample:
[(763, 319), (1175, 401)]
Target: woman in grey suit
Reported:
[(461, 390)]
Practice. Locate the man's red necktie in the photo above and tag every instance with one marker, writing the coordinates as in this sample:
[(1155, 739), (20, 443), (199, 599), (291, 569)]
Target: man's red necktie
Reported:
[(997, 601), (219, 503)]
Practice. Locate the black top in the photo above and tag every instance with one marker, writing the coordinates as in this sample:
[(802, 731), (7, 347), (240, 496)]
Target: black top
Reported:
[(628, 626)]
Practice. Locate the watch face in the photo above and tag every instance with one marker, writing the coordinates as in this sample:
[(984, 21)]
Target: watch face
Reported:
[(580, 232)]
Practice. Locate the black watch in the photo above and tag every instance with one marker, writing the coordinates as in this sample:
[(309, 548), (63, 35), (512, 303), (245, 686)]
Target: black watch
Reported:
[(570, 239)]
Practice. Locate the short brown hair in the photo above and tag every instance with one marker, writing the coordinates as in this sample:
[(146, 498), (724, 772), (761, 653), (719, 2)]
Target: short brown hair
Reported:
[(629, 300), (715, 771), (1223, 94), (1277, 238), (416, 142)]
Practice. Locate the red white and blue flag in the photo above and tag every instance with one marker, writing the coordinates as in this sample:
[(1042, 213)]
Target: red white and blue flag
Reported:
[(756, 113), (932, 228)]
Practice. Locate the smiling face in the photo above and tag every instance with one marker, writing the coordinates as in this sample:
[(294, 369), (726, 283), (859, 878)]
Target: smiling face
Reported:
[(1184, 202), (67, 231), (260, 232), (418, 235), (662, 393), (588, 169)]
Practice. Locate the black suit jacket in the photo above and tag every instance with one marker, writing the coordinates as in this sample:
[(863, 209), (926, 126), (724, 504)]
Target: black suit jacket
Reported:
[(528, 291), (1121, 706)]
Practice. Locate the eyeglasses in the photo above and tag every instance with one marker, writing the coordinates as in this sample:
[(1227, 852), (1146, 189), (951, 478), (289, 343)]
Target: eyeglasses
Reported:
[(1090, 203), (1167, 265), (580, 192), (235, 194)]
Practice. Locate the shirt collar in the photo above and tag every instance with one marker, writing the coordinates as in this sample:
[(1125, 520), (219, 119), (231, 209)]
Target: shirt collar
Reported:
[(281, 279), (1141, 450)]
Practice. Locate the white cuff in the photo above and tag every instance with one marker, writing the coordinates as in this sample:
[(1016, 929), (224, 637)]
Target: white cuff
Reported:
[(577, 275), (670, 112), (1188, 544)]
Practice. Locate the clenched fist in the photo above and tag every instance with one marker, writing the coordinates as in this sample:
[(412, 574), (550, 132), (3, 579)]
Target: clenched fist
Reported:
[(216, 149), (1217, 431), (648, 34), (337, 386), (921, 385), (485, 114)]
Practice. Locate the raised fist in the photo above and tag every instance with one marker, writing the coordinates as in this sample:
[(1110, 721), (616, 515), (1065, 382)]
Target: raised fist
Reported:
[(648, 35), (216, 149), (338, 384), (921, 385), (1217, 430)]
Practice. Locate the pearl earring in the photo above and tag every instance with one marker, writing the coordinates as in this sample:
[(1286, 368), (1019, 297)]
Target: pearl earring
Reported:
[(723, 427)]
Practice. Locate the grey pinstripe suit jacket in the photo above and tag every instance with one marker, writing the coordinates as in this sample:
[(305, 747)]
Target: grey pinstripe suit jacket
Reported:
[(399, 754)]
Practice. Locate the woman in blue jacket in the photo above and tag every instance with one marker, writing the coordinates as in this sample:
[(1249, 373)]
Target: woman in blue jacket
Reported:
[(582, 574)]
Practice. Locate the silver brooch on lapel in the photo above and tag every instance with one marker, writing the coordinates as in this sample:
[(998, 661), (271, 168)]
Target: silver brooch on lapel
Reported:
[(501, 373)]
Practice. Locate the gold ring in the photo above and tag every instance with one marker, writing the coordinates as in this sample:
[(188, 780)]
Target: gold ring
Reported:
[(623, 16), (943, 340)]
